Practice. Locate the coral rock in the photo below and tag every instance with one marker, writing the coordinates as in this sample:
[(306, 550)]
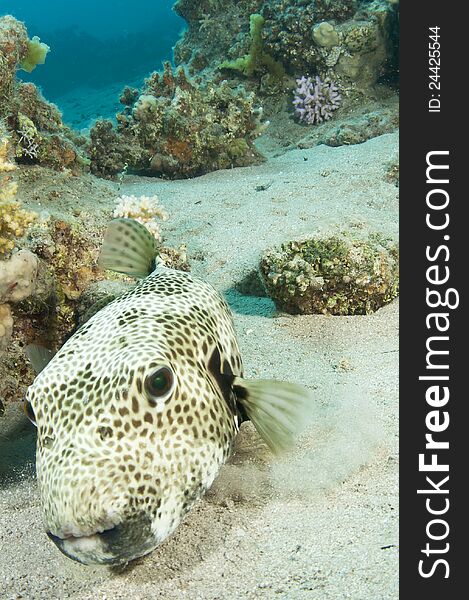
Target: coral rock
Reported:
[(178, 128), (18, 276), (335, 275), (350, 42), (14, 46)]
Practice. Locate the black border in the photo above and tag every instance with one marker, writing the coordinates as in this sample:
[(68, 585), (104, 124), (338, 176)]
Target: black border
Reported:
[(422, 132)]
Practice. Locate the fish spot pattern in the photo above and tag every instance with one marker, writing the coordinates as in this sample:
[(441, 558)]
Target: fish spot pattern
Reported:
[(108, 454)]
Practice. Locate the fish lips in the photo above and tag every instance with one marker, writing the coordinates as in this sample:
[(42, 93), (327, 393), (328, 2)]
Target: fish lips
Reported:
[(115, 546)]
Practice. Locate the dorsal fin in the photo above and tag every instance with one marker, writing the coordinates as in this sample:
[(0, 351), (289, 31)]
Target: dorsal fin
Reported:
[(38, 356), (129, 248)]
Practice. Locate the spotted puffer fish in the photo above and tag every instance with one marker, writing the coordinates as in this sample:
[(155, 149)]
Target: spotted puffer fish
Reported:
[(138, 411)]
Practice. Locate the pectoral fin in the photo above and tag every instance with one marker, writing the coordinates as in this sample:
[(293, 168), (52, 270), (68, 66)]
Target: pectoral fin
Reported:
[(279, 411)]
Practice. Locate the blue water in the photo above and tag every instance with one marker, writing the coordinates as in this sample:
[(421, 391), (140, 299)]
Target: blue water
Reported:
[(95, 43)]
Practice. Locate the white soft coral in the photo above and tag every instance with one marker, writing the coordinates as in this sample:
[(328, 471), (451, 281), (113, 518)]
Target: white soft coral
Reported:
[(147, 210)]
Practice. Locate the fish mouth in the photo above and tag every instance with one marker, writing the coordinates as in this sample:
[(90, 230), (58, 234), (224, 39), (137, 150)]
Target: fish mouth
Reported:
[(88, 549), (115, 546)]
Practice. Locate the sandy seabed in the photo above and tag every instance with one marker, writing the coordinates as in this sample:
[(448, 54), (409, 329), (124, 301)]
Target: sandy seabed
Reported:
[(320, 523)]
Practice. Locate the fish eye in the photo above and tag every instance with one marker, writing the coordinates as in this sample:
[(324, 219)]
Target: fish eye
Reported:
[(159, 384), (29, 412)]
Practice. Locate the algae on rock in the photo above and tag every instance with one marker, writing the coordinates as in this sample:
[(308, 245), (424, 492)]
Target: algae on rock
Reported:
[(337, 275)]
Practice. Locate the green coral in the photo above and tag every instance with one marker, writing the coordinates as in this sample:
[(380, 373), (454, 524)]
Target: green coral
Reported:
[(257, 59), (335, 275)]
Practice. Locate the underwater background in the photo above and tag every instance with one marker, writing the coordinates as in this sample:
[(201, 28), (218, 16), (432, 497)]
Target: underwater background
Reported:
[(97, 44), (257, 142)]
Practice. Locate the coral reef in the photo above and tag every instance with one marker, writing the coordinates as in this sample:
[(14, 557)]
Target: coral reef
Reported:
[(14, 221), (353, 43), (14, 45), (346, 40), (144, 209), (6, 164), (39, 289), (213, 29), (18, 270), (25, 289), (27, 145), (177, 127), (335, 275), (44, 273), (35, 125), (315, 100), (290, 31)]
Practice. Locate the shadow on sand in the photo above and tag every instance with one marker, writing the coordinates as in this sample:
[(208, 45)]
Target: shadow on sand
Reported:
[(256, 306), (17, 446)]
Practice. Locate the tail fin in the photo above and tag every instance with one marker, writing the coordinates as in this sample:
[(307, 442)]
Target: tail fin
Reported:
[(129, 248), (279, 411)]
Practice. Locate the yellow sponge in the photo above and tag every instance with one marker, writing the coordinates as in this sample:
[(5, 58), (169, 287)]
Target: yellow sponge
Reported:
[(37, 52)]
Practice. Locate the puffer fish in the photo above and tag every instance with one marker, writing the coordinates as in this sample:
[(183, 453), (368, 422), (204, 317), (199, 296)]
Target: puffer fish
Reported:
[(138, 410)]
